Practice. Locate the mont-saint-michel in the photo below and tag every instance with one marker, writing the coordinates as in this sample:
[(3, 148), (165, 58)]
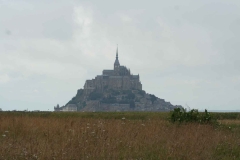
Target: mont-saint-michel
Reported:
[(115, 90)]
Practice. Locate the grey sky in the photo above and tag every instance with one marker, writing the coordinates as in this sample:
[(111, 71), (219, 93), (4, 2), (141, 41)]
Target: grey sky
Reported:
[(186, 52)]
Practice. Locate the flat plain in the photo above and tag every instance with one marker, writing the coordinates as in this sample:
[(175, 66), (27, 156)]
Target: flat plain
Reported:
[(116, 135)]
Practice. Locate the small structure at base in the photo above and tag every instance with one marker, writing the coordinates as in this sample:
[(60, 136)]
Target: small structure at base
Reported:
[(67, 108)]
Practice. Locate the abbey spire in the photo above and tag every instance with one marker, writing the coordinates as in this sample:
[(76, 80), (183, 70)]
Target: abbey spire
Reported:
[(117, 53), (116, 63)]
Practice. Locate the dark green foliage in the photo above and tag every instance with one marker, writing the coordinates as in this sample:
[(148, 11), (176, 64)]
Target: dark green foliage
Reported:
[(141, 92), (79, 92), (75, 99), (206, 117), (181, 115), (72, 101), (95, 96), (153, 98), (109, 100), (130, 96)]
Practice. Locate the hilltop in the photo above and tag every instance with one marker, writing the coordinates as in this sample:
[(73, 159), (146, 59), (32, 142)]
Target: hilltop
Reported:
[(115, 90)]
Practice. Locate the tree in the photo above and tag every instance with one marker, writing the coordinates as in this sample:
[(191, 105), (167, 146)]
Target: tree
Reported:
[(95, 96), (153, 98), (130, 96)]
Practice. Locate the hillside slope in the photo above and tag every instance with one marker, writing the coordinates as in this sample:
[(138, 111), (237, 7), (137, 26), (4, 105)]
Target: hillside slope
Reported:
[(119, 100)]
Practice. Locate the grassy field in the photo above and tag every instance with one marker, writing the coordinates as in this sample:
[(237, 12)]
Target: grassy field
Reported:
[(127, 135)]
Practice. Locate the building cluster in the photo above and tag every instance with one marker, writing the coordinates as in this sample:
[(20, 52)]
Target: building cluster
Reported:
[(120, 78)]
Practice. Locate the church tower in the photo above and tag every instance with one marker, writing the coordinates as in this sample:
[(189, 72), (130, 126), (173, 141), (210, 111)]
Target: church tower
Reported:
[(116, 63)]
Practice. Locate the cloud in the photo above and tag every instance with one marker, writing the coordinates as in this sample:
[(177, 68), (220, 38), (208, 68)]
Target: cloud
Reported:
[(8, 32), (4, 78), (125, 18), (184, 51)]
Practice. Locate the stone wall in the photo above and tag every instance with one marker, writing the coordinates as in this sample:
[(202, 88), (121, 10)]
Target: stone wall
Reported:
[(112, 82)]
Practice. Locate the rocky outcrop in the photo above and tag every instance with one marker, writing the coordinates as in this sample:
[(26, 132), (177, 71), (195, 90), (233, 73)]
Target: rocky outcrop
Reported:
[(119, 100), (115, 90)]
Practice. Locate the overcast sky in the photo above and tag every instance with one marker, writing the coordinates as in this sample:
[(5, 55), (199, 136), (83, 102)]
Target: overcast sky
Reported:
[(186, 52)]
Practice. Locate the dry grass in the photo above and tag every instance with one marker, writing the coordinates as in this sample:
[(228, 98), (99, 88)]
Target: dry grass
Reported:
[(229, 121), (24, 137)]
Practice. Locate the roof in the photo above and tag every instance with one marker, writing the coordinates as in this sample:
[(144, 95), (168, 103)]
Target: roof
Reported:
[(116, 62), (107, 70), (135, 76)]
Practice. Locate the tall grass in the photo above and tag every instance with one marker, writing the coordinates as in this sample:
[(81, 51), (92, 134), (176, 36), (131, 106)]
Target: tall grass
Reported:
[(112, 136)]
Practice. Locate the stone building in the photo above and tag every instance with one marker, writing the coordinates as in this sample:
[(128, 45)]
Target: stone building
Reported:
[(115, 90), (67, 108), (119, 78)]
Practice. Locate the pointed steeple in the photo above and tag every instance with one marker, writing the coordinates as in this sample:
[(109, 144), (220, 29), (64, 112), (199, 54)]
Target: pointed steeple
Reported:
[(117, 53), (116, 63)]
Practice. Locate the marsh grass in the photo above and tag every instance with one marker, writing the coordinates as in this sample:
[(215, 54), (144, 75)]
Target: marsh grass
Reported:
[(127, 135)]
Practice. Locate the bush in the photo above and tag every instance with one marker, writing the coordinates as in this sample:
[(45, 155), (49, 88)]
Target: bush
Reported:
[(80, 92), (181, 115), (130, 96), (141, 92), (153, 98), (109, 100), (95, 96)]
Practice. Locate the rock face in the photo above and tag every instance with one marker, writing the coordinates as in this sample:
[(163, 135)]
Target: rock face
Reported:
[(115, 90)]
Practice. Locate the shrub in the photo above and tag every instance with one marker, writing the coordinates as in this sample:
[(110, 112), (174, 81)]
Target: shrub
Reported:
[(109, 100), (130, 96), (141, 92), (95, 96), (153, 98), (181, 115)]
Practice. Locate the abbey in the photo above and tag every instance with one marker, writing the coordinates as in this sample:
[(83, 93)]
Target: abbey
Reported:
[(120, 78), (115, 90)]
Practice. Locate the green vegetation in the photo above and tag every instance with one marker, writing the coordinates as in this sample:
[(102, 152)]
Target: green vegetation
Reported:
[(76, 99), (181, 115), (130, 96), (109, 100), (141, 92), (95, 96), (153, 98)]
